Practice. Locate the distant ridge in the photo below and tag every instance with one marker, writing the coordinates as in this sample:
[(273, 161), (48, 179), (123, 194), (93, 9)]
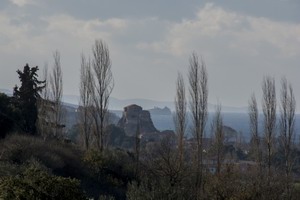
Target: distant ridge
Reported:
[(119, 104), (7, 92)]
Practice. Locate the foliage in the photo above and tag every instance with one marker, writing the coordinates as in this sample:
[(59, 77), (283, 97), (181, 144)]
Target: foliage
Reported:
[(36, 183), (26, 97), (104, 173), (118, 138), (105, 197), (226, 185), (9, 115), (62, 158), (162, 176), (157, 189), (112, 168), (148, 190), (113, 165)]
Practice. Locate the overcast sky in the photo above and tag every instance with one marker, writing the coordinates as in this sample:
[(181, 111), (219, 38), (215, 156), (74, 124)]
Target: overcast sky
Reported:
[(151, 41)]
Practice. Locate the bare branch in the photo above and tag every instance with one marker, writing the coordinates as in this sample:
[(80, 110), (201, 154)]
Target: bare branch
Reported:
[(286, 123), (56, 92), (85, 118), (198, 108), (103, 84), (269, 110), (255, 140), (180, 115), (218, 133)]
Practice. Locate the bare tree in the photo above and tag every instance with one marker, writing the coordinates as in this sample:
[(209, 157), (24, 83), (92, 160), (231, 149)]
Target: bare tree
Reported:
[(255, 140), (103, 84), (56, 92), (85, 119), (256, 147), (161, 161), (198, 107), (287, 122), (180, 115), (269, 110), (218, 133), (137, 148)]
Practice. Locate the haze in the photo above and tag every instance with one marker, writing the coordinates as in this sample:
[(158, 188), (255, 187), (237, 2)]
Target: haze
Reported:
[(150, 41)]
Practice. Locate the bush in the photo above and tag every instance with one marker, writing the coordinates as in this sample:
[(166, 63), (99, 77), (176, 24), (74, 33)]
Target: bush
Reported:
[(113, 169), (36, 183), (9, 115), (149, 189), (114, 165), (104, 197), (63, 159)]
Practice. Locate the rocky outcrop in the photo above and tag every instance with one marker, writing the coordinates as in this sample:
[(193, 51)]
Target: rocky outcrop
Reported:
[(230, 134), (134, 115), (160, 111)]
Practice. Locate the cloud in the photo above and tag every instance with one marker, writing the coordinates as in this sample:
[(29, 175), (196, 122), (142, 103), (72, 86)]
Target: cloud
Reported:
[(70, 24), (22, 3), (238, 48), (57, 29), (233, 31), (285, 37), (34, 41), (13, 36)]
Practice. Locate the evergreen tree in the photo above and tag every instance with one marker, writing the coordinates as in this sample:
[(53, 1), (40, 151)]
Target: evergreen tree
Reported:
[(9, 115), (26, 97)]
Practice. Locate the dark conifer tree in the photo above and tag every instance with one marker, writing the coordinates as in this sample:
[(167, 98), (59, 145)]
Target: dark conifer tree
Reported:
[(26, 97), (9, 115)]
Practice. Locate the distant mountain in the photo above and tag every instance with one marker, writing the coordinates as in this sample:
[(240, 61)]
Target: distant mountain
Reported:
[(7, 92), (229, 109), (72, 106), (160, 111), (146, 104), (119, 104), (71, 99)]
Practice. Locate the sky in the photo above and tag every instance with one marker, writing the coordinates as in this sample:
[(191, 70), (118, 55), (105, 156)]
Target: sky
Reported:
[(150, 42)]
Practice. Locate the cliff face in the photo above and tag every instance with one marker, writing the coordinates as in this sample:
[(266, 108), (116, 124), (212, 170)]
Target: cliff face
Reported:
[(134, 114)]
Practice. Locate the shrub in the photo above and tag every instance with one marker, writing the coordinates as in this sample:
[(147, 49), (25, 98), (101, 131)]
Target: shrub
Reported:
[(113, 169), (63, 159), (113, 165), (36, 183)]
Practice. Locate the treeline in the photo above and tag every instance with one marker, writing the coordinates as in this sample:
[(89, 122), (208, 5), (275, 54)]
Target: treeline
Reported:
[(173, 168)]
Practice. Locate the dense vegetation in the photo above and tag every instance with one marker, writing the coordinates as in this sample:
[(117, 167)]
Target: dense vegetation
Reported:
[(29, 163), (31, 167)]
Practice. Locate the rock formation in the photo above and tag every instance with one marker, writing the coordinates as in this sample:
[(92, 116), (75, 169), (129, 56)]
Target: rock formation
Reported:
[(160, 111), (134, 115)]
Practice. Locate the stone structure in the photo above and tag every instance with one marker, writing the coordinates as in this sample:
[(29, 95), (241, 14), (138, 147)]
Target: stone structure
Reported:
[(134, 115)]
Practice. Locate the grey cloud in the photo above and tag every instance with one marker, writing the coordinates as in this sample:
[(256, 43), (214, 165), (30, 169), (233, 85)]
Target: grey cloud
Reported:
[(151, 40)]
